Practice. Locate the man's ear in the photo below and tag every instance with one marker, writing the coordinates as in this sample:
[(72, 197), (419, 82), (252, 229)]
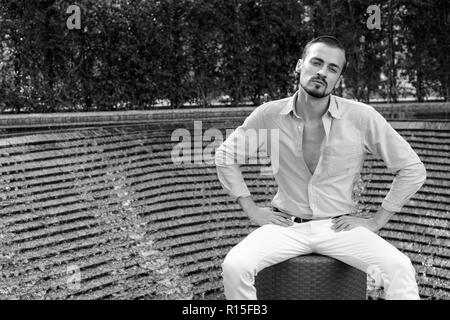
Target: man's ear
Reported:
[(298, 67), (338, 82)]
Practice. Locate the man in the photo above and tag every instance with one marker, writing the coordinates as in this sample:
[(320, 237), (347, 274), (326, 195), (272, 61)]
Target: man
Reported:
[(323, 140)]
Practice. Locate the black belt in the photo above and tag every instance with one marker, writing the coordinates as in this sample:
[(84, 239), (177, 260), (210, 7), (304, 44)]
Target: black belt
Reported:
[(301, 220), (296, 219)]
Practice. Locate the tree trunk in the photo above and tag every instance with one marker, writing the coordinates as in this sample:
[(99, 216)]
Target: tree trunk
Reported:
[(85, 73), (419, 87), (447, 89), (332, 19), (49, 101), (392, 68), (238, 83), (17, 83)]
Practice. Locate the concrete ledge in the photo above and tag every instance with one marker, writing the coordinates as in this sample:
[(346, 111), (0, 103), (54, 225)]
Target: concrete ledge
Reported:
[(104, 118), (436, 110), (421, 125)]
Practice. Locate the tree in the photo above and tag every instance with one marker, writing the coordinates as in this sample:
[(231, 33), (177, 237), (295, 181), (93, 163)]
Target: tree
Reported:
[(203, 49)]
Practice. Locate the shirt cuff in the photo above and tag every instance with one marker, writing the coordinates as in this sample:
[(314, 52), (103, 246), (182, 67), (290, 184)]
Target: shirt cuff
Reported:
[(232, 181), (391, 206), (239, 191)]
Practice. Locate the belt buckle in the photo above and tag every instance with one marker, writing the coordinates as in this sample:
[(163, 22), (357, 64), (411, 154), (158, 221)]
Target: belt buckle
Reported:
[(300, 220)]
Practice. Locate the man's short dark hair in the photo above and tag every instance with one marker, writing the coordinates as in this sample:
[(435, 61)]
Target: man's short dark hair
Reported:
[(330, 41)]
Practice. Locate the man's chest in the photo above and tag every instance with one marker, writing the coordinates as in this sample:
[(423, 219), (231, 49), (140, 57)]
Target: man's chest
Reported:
[(312, 138), (301, 146)]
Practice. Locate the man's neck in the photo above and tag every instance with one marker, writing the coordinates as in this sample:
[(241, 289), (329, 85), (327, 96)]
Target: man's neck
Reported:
[(311, 108)]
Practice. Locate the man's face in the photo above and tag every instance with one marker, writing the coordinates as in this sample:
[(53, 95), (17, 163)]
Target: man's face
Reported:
[(320, 70)]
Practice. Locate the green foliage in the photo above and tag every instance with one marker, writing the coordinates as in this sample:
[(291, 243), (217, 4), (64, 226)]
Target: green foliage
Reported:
[(131, 53), (425, 25)]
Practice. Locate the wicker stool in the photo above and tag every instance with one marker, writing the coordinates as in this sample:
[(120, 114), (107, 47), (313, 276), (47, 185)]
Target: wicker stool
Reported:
[(311, 277)]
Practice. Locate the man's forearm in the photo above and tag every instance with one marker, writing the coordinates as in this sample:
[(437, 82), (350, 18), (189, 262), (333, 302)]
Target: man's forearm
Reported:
[(381, 217), (246, 203), (406, 183), (232, 181)]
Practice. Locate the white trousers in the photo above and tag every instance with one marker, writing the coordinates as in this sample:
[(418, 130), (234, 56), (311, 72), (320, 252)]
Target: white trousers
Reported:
[(358, 247)]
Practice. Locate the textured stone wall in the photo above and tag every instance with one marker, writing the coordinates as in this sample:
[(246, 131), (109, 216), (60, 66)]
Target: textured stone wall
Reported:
[(93, 207)]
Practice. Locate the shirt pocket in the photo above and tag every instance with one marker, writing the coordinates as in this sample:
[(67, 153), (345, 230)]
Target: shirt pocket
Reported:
[(343, 160)]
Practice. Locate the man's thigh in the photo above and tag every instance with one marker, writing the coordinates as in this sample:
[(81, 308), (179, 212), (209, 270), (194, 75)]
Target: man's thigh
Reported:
[(358, 247), (271, 244)]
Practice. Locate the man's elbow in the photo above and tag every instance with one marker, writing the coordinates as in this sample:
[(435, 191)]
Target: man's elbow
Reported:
[(421, 173), (220, 157), (415, 174)]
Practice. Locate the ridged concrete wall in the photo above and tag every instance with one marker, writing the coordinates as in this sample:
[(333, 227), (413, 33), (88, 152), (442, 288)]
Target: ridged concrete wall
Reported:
[(101, 211)]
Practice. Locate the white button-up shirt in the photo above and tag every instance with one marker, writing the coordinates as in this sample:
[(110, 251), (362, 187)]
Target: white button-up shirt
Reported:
[(352, 131)]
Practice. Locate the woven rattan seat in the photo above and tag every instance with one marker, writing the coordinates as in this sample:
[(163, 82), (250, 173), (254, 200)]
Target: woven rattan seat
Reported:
[(311, 277)]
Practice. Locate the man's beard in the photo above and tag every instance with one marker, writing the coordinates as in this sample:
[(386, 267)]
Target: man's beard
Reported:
[(316, 93)]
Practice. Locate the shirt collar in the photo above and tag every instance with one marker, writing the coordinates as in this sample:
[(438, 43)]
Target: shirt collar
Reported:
[(333, 108), (290, 107)]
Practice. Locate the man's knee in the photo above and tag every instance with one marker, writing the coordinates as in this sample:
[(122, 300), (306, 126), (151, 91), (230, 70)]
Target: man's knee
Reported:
[(404, 264), (236, 267), (402, 283), (401, 264), (240, 260)]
